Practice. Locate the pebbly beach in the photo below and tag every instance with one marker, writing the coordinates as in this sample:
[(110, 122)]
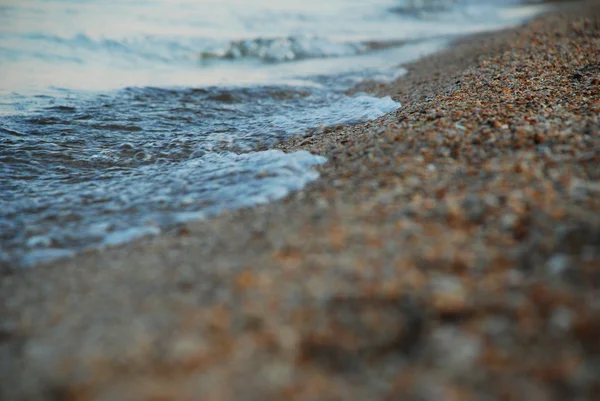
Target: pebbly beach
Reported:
[(450, 250)]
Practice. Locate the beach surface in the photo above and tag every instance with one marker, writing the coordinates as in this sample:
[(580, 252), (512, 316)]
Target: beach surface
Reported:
[(449, 251)]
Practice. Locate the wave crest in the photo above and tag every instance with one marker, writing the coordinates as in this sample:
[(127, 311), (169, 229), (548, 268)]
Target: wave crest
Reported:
[(286, 49)]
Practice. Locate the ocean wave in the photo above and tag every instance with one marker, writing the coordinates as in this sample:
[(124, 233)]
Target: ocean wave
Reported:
[(425, 9), (286, 49), (80, 47), (107, 169), (418, 7), (166, 49)]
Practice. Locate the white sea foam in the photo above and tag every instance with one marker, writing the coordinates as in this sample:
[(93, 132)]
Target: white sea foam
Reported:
[(286, 49), (163, 196), (126, 235), (38, 256)]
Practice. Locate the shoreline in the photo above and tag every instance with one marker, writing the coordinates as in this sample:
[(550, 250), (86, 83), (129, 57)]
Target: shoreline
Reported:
[(450, 250)]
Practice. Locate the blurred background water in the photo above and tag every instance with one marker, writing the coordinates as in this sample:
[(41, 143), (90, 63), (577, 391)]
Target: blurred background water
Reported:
[(119, 119)]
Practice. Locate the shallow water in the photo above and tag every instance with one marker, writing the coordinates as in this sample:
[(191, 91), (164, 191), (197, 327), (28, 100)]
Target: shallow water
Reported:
[(121, 119)]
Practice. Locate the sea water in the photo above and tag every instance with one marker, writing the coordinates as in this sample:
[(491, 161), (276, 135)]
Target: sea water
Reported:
[(120, 119)]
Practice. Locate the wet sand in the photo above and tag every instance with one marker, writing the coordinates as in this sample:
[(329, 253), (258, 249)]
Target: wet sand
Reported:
[(450, 251)]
